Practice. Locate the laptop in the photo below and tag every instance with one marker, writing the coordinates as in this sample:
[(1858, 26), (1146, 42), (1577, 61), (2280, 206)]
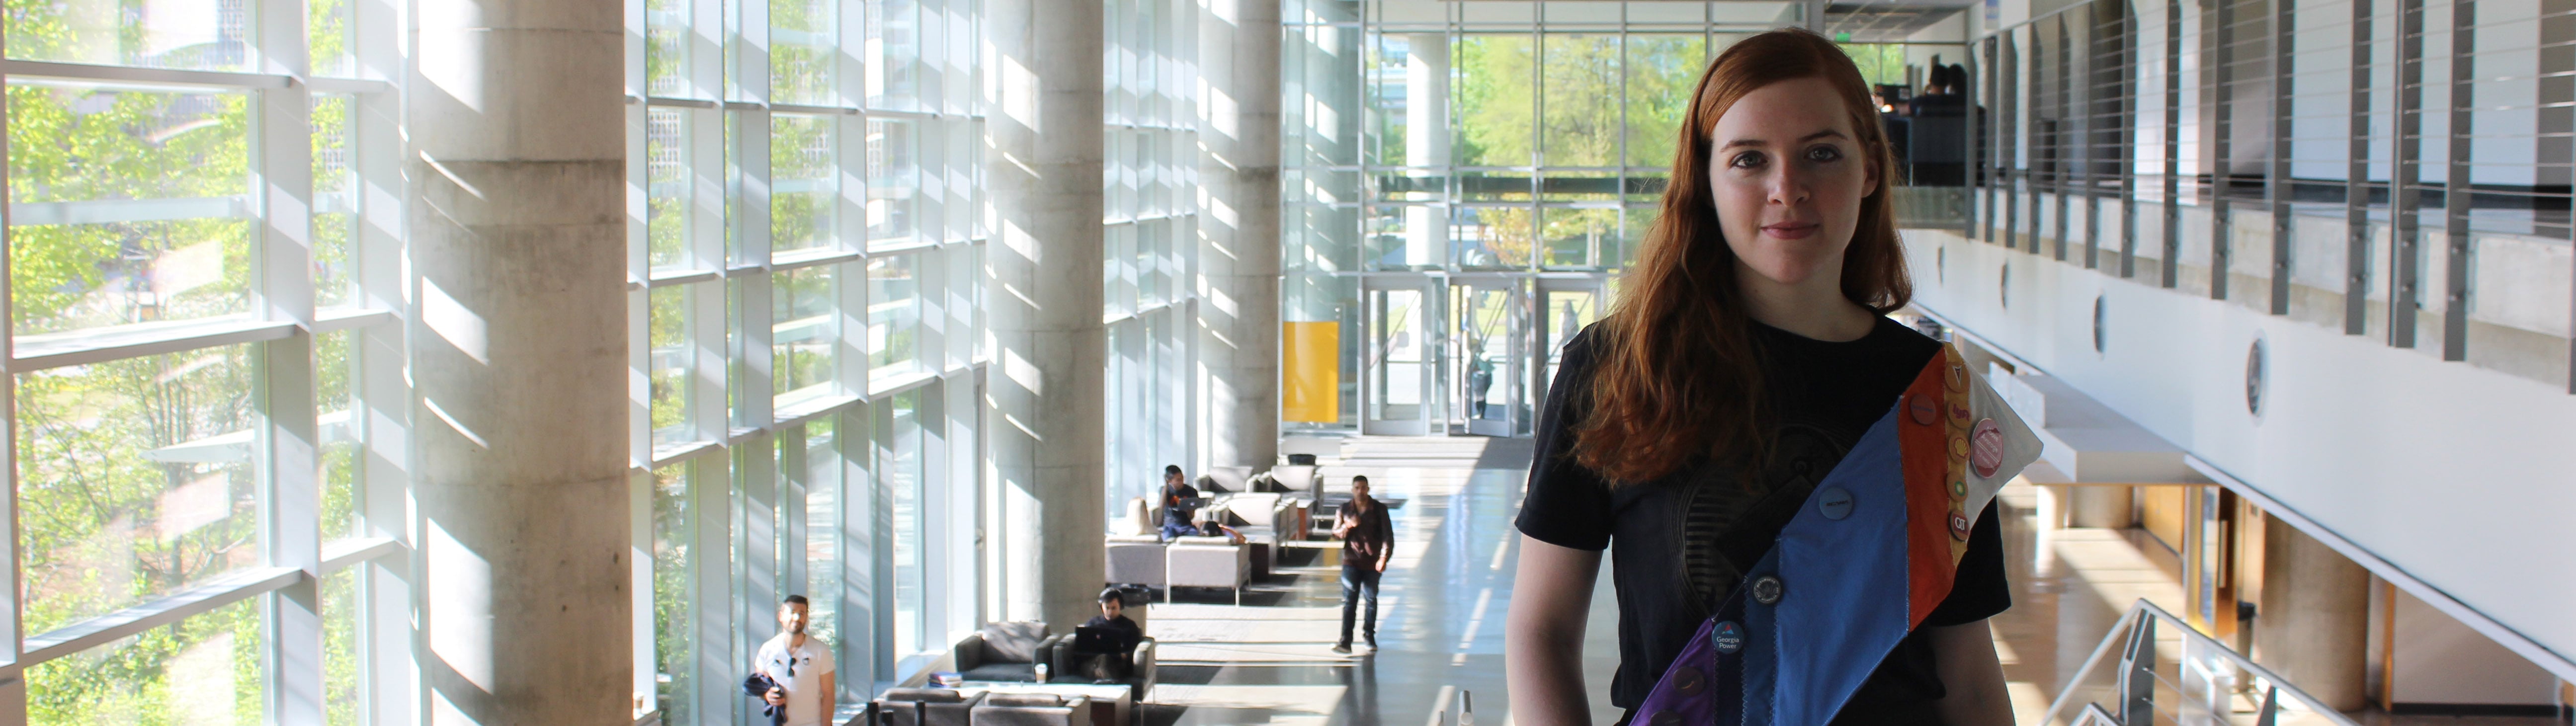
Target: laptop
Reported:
[(1094, 639)]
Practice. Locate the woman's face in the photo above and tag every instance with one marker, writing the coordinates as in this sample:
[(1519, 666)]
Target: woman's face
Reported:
[(1788, 175)]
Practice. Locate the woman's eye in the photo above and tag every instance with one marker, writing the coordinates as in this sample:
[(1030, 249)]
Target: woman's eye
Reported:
[(1824, 153), (1745, 161)]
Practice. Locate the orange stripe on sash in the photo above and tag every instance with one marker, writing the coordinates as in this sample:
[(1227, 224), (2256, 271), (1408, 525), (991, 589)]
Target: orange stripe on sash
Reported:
[(1923, 435)]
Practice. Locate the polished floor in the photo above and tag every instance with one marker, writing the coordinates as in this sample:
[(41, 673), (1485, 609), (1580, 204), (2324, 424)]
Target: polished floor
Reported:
[(1441, 610)]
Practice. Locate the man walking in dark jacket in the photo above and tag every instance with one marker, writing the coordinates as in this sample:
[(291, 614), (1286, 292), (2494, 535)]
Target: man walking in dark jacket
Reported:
[(1368, 543)]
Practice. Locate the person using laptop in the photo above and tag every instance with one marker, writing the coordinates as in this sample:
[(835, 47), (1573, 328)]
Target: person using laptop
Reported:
[(1105, 646)]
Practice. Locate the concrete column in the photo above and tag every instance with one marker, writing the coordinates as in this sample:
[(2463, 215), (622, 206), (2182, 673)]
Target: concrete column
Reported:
[(519, 369), (2312, 624), (1426, 143), (1239, 230), (1045, 400)]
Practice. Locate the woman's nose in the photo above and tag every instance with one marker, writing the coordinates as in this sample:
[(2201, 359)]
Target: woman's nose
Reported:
[(1786, 186)]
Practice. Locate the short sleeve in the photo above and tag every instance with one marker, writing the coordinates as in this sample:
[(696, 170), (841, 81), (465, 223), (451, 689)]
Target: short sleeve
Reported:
[(822, 660), (1567, 504), (1979, 592)]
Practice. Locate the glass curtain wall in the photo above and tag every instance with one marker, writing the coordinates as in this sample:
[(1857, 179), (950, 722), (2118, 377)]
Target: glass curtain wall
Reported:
[(1465, 181), (195, 282), (803, 276), (1150, 240), (2393, 170)]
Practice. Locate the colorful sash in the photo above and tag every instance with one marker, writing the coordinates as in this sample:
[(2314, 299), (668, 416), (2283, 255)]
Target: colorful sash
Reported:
[(1871, 552)]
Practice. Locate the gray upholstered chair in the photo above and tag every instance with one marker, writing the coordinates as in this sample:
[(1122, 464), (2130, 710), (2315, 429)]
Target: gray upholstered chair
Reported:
[(1140, 673), (980, 660)]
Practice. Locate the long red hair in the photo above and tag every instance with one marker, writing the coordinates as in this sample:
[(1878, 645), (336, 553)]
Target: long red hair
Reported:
[(1677, 375)]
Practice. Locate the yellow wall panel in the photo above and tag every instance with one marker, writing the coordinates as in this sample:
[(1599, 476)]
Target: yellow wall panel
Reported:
[(1311, 372)]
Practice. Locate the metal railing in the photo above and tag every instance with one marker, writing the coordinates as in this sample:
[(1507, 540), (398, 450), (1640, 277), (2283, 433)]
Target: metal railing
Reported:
[(2207, 684)]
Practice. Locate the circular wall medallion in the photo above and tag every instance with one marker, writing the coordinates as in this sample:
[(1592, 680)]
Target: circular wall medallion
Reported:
[(1986, 448), (1834, 502), (1728, 637), (2099, 339), (1767, 590), (2254, 375)]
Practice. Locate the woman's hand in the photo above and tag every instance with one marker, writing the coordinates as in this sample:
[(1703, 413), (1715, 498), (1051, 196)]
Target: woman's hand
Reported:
[(1543, 634)]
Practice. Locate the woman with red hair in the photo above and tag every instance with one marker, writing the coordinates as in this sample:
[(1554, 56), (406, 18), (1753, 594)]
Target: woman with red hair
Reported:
[(1747, 354)]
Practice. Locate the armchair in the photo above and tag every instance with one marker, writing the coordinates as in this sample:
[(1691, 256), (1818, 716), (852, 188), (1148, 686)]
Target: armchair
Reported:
[(1207, 562), (979, 660), (1140, 675)]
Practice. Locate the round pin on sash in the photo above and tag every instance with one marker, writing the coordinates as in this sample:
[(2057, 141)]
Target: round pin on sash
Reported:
[(1986, 448), (1766, 590), (1728, 637), (1925, 410), (1834, 502)]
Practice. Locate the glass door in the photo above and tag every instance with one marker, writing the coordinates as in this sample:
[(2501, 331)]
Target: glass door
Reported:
[(1564, 307), (1492, 324), (1397, 359)]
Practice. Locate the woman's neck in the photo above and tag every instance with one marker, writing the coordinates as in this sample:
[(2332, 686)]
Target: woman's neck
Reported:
[(1813, 308)]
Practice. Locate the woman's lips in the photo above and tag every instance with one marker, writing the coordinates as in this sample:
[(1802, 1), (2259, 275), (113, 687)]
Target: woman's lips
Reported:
[(1788, 230)]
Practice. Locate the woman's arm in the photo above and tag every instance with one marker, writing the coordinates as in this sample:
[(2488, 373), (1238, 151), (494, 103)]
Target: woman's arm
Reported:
[(1965, 657), (1543, 634)]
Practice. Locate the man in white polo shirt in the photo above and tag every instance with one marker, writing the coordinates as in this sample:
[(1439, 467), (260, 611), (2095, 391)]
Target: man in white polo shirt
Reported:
[(802, 667)]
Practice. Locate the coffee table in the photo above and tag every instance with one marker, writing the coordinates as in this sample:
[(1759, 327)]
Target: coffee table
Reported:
[(1112, 698)]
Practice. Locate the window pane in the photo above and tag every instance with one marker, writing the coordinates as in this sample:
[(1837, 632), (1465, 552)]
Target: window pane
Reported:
[(135, 480), (673, 564), (1491, 97), (343, 652), (336, 424), (800, 51), (894, 50), (1581, 238), (1580, 78), (666, 25), (901, 475), (892, 183), (671, 360), (326, 26), (666, 180), (806, 331), (894, 315), (801, 191), (1661, 71), (202, 670), (193, 34), (128, 206), (823, 531), (335, 203)]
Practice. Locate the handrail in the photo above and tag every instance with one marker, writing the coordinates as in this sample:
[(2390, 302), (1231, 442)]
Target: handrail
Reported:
[(2135, 632)]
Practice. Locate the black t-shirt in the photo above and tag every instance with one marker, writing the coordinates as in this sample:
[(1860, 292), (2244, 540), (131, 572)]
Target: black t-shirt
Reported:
[(1682, 541)]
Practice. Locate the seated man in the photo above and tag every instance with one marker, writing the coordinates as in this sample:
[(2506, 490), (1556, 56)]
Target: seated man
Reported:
[(1179, 501), (1105, 646)]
